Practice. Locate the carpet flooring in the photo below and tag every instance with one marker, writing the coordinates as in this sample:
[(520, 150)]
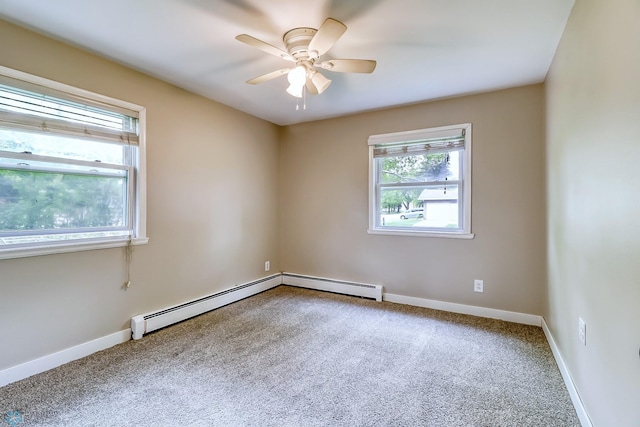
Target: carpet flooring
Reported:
[(296, 357)]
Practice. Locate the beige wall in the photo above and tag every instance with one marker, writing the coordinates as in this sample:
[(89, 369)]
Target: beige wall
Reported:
[(212, 181), (593, 151), (324, 204)]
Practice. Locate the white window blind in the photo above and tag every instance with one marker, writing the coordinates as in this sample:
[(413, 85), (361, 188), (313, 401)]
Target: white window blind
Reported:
[(417, 142), (29, 107)]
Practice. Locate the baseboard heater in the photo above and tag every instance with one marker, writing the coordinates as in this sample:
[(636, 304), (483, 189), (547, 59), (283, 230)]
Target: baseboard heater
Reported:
[(149, 322), (331, 285)]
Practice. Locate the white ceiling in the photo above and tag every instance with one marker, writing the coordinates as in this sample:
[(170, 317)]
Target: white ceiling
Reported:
[(425, 49)]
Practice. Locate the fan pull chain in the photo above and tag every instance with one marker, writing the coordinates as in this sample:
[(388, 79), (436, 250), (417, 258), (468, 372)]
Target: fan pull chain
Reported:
[(304, 100)]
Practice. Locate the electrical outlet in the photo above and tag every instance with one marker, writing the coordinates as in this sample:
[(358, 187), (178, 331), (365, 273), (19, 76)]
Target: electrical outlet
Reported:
[(582, 331), (267, 266), (478, 285)]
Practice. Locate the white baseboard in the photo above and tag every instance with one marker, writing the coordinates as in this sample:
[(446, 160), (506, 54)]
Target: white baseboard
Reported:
[(571, 387), (333, 285), (491, 313), (50, 361)]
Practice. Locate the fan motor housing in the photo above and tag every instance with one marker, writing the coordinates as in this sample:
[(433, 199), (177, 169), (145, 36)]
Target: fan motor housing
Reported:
[(297, 41)]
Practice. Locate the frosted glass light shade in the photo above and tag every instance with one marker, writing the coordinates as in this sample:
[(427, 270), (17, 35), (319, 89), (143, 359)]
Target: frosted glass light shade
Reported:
[(320, 82), (297, 76), (295, 91)]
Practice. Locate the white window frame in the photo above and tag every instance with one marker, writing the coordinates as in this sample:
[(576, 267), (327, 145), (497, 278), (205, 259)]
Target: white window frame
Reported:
[(411, 138), (138, 193)]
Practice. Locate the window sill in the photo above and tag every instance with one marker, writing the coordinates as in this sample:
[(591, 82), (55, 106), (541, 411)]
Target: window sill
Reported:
[(65, 247), (437, 234)]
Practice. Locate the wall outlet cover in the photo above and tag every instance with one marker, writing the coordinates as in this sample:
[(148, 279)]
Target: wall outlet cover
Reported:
[(582, 331)]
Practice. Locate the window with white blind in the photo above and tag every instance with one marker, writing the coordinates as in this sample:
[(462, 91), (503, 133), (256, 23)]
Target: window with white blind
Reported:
[(420, 182), (71, 168)]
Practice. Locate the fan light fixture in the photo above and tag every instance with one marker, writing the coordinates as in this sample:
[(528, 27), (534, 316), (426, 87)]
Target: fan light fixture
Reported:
[(297, 78), (320, 82)]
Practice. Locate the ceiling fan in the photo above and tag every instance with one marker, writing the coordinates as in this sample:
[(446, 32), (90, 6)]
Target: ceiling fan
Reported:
[(304, 47)]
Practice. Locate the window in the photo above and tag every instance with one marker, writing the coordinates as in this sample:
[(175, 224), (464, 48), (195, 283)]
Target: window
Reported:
[(420, 182), (71, 168)]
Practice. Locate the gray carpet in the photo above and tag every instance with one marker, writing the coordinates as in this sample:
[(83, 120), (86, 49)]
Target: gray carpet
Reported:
[(295, 357)]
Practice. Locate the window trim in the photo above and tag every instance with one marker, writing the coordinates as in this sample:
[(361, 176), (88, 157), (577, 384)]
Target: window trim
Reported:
[(396, 138), (140, 211)]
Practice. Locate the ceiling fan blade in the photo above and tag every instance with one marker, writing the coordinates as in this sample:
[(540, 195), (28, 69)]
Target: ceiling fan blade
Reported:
[(268, 76), (349, 65), (264, 46), (327, 35)]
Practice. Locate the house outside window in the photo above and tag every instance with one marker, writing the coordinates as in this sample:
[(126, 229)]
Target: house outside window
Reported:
[(71, 168), (420, 182)]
